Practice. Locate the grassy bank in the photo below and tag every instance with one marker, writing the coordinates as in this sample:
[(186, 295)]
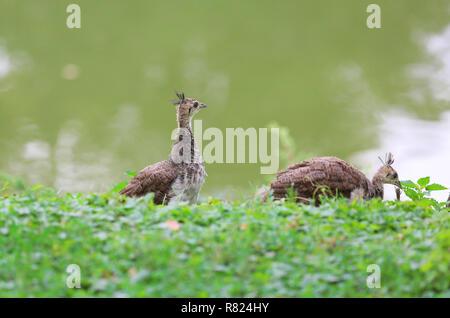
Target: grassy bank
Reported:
[(128, 247)]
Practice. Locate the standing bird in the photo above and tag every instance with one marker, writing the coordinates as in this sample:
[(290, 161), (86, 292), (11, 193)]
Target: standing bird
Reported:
[(331, 176), (181, 176)]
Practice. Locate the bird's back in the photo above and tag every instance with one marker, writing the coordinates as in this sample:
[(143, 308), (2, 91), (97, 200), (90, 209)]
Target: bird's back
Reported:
[(168, 181), (157, 178), (311, 176)]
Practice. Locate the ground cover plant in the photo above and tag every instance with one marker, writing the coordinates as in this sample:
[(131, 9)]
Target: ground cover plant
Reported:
[(133, 248)]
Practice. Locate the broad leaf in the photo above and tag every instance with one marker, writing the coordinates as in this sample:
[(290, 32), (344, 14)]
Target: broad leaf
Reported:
[(119, 187), (409, 183), (36, 187), (423, 181), (131, 174), (435, 187), (411, 193)]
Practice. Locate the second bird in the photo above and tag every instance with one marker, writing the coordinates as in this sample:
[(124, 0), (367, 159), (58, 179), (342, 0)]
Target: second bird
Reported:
[(332, 176)]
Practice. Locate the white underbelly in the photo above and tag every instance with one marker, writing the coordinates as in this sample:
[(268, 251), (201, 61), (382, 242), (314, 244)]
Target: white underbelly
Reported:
[(187, 186)]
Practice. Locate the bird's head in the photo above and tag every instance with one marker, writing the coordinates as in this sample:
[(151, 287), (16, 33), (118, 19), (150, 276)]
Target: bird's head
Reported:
[(187, 107), (386, 173)]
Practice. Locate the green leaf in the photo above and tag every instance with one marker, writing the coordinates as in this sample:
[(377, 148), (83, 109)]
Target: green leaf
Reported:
[(131, 174), (119, 187), (411, 193), (36, 187), (426, 202), (5, 186), (423, 181), (409, 183), (435, 187)]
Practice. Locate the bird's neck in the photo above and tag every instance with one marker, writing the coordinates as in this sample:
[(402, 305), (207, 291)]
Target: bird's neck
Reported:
[(185, 149), (184, 128), (377, 182), (183, 121)]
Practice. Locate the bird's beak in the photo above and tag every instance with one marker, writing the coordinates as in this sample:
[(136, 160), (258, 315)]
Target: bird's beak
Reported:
[(202, 105), (398, 184)]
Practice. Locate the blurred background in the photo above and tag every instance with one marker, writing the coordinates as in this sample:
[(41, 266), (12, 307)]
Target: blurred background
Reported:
[(79, 107)]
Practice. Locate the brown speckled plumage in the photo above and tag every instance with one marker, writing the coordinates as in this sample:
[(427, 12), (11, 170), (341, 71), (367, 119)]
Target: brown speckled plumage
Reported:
[(331, 176), (156, 178), (179, 177)]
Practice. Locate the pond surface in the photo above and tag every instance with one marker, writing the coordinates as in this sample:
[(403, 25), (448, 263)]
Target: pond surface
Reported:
[(79, 107)]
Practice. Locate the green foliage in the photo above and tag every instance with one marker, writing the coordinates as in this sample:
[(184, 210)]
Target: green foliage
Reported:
[(131, 174), (420, 192), (123, 184), (9, 184), (119, 187), (132, 247), (291, 194)]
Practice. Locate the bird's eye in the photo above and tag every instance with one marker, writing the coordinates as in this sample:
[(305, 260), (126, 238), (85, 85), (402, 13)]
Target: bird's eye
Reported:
[(195, 104)]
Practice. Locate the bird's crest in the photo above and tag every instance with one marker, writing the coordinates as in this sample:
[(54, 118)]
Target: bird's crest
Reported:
[(180, 98), (388, 159)]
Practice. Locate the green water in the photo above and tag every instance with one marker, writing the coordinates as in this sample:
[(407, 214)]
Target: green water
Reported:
[(78, 107)]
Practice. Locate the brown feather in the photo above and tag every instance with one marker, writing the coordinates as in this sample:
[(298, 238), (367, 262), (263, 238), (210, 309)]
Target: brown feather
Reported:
[(156, 178), (311, 177)]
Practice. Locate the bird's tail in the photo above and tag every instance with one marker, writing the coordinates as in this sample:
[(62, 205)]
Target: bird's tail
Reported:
[(131, 190)]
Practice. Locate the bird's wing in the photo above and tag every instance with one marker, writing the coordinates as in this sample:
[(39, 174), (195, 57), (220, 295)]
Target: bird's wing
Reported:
[(156, 178), (308, 175)]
